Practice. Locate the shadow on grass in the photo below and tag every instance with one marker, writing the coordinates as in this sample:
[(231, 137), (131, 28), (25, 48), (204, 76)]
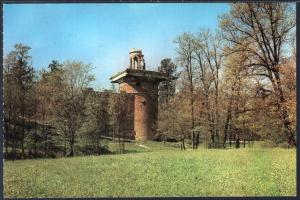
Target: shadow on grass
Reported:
[(129, 151)]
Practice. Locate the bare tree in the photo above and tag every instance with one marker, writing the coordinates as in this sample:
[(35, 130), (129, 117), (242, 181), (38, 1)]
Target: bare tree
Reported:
[(119, 116), (19, 80), (97, 119), (69, 99), (185, 51), (208, 54), (261, 30)]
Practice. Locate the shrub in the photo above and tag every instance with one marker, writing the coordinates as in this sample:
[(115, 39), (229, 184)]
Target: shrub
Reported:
[(284, 145), (268, 144), (93, 150)]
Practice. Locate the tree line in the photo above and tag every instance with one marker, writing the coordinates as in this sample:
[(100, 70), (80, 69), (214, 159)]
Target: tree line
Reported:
[(53, 111), (236, 83)]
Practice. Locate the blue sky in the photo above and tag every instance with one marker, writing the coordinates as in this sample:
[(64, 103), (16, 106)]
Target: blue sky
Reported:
[(103, 34)]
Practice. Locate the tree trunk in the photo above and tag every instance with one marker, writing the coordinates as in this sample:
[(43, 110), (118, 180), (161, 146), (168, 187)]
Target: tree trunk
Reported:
[(72, 145), (244, 133), (23, 133), (35, 125), (209, 119), (228, 117), (237, 143), (287, 127), (192, 115), (10, 106), (283, 113), (123, 146), (72, 150), (7, 128), (119, 141), (14, 142), (6, 147), (45, 137), (7, 124), (197, 140), (183, 145), (46, 140), (97, 144), (65, 145), (213, 138), (35, 135), (190, 75), (230, 139), (217, 109)]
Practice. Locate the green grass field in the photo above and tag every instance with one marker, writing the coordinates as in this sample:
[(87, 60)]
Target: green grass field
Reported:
[(157, 171)]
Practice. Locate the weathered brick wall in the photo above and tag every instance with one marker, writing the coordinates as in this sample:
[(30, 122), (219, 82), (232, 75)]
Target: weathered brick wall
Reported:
[(130, 116), (145, 107)]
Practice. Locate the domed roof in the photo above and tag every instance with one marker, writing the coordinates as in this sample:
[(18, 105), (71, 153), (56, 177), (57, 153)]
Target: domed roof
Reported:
[(135, 50)]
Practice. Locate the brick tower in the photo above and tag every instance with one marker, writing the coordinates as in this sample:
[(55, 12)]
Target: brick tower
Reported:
[(143, 85)]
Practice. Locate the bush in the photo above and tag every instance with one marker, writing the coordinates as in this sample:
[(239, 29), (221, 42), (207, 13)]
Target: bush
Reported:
[(284, 145), (10, 155), (93, 150), (27, 155), (171, 139), (216, 145), (268, 144), (160, 137)]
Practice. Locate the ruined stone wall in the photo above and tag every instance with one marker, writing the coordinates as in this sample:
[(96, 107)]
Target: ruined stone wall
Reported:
[(102, 98)]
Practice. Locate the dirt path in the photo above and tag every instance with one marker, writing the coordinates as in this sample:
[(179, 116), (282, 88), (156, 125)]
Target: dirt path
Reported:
[(144, 146)]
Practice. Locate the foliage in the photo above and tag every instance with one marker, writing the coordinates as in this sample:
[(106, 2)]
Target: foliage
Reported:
[(235, 83), (261, 32), (18, 82), (224, 87), (167, 87)]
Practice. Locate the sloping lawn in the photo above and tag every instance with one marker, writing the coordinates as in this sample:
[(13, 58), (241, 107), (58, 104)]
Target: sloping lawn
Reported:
[(170, 172)]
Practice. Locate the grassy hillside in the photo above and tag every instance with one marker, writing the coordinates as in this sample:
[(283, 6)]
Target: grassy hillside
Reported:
[(156, 171)]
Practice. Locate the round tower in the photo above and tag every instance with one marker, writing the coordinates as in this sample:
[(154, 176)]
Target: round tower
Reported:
[(144, 85)]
